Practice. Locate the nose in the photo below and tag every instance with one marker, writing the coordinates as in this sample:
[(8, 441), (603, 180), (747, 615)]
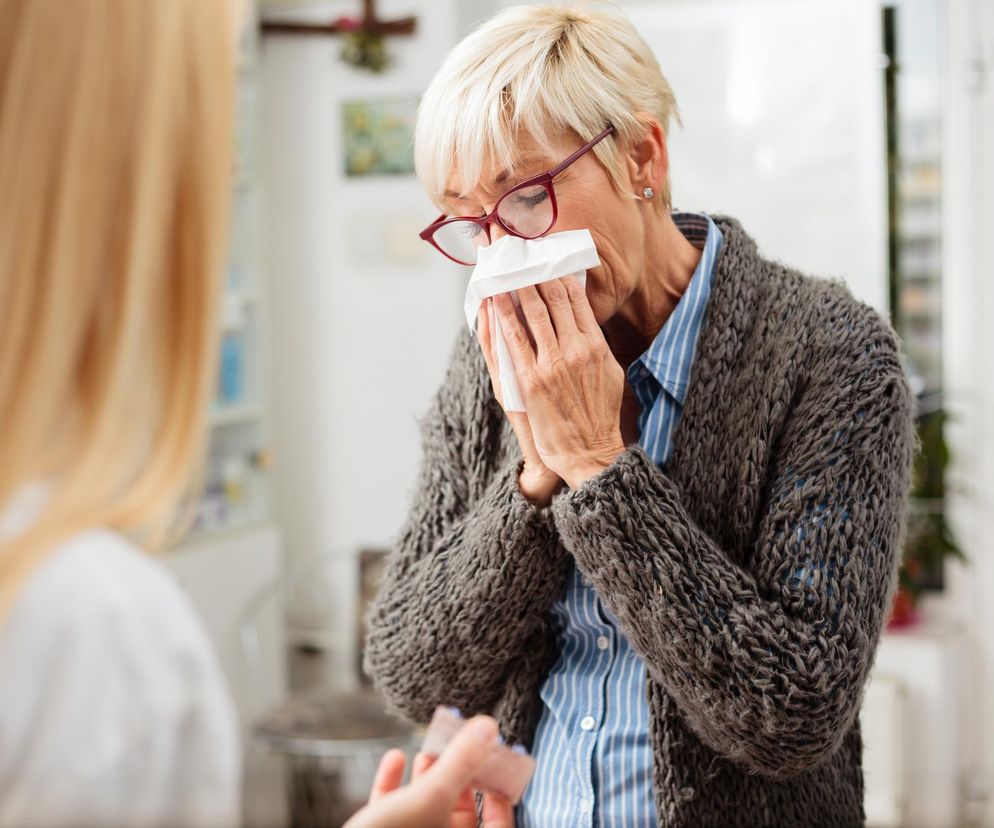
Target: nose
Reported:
[(496, 232)]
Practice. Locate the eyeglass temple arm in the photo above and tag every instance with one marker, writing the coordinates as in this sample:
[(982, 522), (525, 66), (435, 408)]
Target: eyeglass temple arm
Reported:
[(426, 233), (562, 165)]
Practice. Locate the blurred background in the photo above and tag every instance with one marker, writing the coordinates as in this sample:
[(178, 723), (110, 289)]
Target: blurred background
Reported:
[(852, 139)]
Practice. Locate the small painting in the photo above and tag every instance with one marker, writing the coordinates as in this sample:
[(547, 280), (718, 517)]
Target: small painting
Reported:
[(378, 137)]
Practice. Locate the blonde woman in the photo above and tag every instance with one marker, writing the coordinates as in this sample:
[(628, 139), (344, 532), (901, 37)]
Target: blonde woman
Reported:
[(667, 577), (115, 145)]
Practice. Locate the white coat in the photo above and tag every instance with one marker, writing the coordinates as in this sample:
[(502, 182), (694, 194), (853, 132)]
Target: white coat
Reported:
[(113, 709)]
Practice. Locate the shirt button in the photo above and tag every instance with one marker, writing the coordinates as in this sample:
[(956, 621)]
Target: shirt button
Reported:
[(587, 723), (585, 806), (603, 642)]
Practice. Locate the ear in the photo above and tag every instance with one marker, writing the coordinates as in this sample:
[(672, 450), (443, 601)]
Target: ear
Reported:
[(648, 160)]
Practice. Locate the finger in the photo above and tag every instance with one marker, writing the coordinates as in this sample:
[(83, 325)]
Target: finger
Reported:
[(556, 297), (586, 322), (485, 326), (402, 808), (497, 812), (421, 763), (466, 803), (539, 322), (482, 326), (484, 321), (389, 774), (522, 354), (469, 750), (487, 343)]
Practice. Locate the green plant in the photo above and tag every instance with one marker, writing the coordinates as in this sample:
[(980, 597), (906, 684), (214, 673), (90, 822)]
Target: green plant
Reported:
[(364, 50), (930, 539)]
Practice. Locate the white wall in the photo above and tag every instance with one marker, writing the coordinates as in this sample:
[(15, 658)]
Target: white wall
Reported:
[(968, 363), (783, 127), (360, 341)]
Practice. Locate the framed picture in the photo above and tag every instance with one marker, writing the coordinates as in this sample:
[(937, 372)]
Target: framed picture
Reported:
[(378, 137)]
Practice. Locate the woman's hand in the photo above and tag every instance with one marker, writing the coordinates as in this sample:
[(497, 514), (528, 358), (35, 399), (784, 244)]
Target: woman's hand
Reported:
[(439, 795), (537, 482), (570, 381)]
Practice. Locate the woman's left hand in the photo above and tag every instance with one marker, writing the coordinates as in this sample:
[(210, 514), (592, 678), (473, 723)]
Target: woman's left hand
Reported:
[(570, 381)]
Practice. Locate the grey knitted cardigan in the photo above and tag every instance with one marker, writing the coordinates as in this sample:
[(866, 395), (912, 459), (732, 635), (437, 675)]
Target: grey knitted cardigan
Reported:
[(753, 575)]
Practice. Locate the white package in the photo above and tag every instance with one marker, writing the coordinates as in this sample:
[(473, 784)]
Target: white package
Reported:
[(511, 263)]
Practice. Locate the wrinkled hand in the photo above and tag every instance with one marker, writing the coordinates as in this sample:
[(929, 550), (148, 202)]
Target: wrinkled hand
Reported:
[(569, 380), (537, 482), (439, 795)]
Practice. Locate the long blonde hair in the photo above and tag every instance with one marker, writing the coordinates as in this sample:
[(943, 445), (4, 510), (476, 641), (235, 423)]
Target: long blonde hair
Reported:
[(115, 155)]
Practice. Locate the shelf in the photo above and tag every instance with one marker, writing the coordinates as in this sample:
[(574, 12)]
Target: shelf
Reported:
[(234, 304), (236, 414)]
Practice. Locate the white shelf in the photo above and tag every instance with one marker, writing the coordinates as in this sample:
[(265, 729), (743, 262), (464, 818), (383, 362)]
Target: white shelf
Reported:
[(235, 414), (237, 490), (235, 305)]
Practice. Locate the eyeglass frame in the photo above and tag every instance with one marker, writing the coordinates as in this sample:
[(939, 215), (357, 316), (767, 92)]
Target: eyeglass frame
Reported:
[(484, 221)]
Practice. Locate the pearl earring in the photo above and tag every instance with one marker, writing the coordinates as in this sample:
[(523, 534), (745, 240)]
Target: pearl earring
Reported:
[(648, 192)]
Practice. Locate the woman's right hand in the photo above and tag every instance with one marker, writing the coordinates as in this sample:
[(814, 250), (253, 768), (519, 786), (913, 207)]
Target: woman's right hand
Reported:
[(440, 793), (537, 482)]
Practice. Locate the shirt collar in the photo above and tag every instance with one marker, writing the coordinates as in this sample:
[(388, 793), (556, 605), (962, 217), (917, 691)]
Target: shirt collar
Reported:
[(670, 356)]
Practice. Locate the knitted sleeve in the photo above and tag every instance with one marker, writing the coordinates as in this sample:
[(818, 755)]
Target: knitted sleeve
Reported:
[(475, 566), (766, 661)]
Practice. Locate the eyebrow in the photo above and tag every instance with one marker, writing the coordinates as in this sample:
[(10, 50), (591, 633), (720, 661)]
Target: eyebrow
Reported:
[(502, 176)]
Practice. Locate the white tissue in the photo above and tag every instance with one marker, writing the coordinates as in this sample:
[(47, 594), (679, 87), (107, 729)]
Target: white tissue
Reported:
[(511, 263)]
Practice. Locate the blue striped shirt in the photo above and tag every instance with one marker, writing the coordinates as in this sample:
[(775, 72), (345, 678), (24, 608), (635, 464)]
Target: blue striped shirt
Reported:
[(595, 760)]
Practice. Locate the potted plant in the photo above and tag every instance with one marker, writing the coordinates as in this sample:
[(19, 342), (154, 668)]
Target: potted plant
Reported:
[(929, 538)]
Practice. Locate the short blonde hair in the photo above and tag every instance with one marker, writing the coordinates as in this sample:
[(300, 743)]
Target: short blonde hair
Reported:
[(543, 71), (115, 155)]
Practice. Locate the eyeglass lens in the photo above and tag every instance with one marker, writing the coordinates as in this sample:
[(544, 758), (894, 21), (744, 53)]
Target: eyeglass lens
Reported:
[(527, 211)]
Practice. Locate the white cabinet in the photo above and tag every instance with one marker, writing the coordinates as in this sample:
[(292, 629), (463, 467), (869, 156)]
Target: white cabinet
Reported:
[(912, 719)]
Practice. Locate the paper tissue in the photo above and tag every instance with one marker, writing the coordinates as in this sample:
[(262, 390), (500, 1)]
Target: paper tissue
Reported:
[(511, 263)]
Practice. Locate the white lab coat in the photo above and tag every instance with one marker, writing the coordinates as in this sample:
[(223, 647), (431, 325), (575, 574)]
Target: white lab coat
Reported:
[(113, 709)]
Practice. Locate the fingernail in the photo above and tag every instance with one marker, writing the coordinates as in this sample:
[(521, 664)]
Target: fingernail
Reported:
[(521, 750), (455, 710)]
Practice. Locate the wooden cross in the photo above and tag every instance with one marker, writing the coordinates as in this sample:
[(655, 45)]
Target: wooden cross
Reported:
[(370, 23)]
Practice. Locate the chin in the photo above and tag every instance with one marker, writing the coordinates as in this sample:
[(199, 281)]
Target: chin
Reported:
[(601, 301), (603, 310)]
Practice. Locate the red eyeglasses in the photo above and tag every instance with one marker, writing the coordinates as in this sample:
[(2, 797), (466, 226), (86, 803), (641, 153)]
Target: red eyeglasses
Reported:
[(528, 210)]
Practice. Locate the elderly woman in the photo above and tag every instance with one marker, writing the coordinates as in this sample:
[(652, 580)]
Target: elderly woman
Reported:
[(667, 578)]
